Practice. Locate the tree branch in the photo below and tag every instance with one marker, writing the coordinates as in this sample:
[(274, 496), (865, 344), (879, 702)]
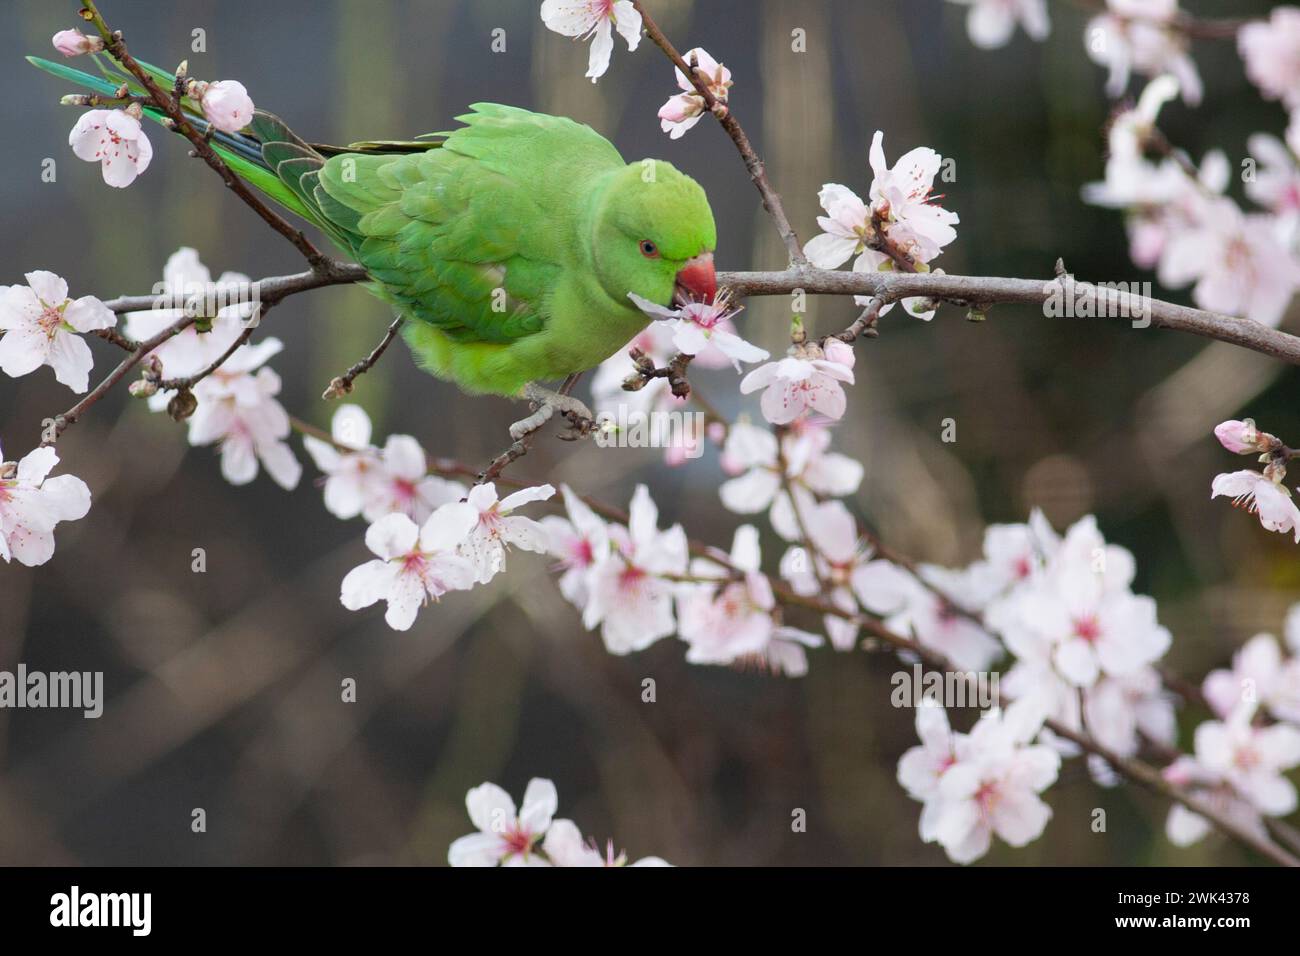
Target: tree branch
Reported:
[(968, 291), (757, 172), (169, 104)]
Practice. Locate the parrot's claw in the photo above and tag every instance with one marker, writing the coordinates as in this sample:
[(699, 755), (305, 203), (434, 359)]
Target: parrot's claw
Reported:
[(547, 403)]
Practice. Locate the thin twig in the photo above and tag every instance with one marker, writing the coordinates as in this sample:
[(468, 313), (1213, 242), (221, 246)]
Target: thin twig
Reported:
[(757, 172), (70, 417), (647, 371), (520, 446), (1131, 768), (342, 385), (170, 106)]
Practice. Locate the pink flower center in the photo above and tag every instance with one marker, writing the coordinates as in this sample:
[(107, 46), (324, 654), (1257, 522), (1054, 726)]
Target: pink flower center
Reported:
[(50, 321), (518, 841), (403, 490), (630, 578), (705, 316), (1088, 628), (580, 553), (987, 797), (1246, 758)]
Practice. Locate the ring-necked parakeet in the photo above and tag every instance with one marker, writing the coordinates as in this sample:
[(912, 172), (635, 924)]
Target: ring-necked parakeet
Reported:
[(510, 244)]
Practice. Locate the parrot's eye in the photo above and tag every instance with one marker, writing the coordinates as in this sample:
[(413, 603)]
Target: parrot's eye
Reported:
[(649, 249)]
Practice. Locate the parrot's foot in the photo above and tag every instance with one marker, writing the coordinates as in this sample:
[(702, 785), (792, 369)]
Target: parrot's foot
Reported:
[(547, 403)]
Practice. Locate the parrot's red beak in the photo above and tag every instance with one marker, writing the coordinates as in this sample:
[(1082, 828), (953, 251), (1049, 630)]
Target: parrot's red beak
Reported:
[(696, 282)]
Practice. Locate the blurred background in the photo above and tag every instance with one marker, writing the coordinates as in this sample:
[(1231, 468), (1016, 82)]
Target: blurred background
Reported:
[(223, 688)]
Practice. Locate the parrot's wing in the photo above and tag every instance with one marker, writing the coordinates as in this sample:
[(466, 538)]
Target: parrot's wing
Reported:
[(470, 237)]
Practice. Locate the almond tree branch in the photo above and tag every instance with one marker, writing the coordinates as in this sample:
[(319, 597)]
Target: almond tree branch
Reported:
[(1130, 768), (981, 292), (757, 173), (169, 104), (342, 385), (60, 423)]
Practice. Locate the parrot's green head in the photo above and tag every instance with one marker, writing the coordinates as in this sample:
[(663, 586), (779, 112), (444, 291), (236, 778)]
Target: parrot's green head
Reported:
[(653, 234)]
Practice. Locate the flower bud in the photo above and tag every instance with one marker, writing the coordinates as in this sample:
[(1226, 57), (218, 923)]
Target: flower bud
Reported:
[(75, 43), (182, 405), (1239, 437), (227, 105), (839, 352)]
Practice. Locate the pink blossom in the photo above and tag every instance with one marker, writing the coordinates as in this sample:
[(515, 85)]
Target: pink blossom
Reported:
[(564, 846), (238, 411), (1268, 499), (696, 326), (1237, 261), (1240, 437), (506, 836), (733, 619), (414, 564), (684, 110), (363, 480), (32, 504), (983, 783), (227, 105), (579, 541), (910, 607), (1081, 613), (595, 20), (631, 599), (1261, 675), (811, 468), (1271, 50), (799, 384), (43, 326), (1138, 36), (1252, 759), (498, 529), (837, 554), (75, 43), (115, 140), (991, 23)]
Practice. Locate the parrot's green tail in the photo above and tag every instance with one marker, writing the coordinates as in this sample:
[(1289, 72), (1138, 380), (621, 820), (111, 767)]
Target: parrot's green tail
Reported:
[(267, 155)]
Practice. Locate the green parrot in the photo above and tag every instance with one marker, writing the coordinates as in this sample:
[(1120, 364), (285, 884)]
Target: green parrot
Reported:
[(510, 244)]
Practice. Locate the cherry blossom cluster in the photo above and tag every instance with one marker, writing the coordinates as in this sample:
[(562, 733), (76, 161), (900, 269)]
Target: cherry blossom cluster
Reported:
[(1262, 493), (233, 403), (1240, 757), (1180, 219), (1057, 611), (979, 784), (115, 138), (1083, 651), (1181, 222), (529, 835), (41, 325), (901, 219)]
